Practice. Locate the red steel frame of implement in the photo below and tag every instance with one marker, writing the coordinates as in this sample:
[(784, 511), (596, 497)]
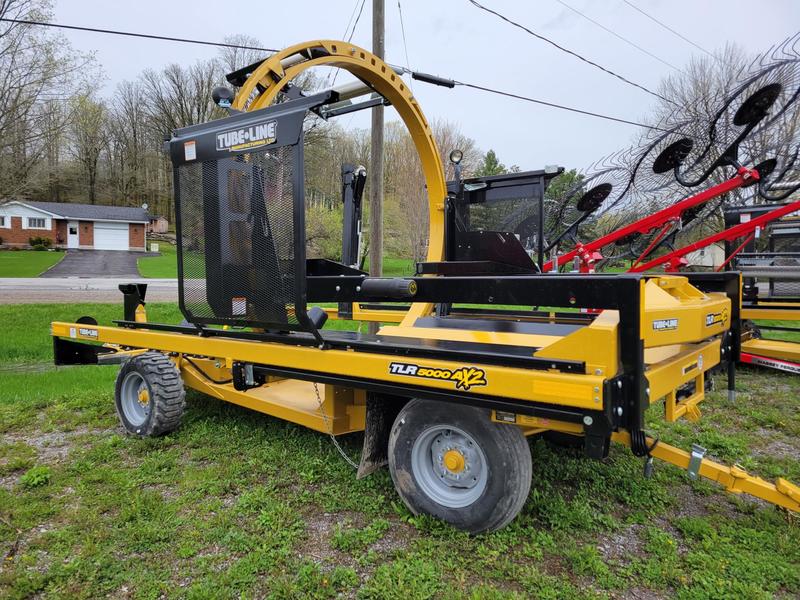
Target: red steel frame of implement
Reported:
[(729, 235), (584, 252)]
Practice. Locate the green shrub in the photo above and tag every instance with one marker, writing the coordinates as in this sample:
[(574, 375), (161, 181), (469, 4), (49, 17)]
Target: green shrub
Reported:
[(36, 477), (39, 241), (39, 247)]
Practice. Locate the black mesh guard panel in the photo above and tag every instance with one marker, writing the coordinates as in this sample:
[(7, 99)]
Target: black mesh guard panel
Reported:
[(240, 208), (238, 251)]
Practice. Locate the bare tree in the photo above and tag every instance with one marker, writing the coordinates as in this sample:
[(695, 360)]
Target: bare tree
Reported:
[(88, 134), (408, 208), (179, 96), (36, 69), (233, 59)]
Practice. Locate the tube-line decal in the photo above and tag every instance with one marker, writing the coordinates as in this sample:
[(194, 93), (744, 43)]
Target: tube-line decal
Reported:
[(463, 377), (665, 324), (247, 138)]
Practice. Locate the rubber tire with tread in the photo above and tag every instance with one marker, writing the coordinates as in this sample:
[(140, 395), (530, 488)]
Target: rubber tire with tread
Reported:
[(504, 446), (167, 394)]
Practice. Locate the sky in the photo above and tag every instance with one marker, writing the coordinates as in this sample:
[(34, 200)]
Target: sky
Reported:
[(454, 39)]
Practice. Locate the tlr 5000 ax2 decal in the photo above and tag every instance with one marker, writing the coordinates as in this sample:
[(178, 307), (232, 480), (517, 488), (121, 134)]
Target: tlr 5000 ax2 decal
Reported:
[(464, 377)]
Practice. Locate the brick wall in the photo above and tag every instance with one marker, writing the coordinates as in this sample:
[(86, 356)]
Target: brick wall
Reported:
[(136, 236), (17, 236), (85, 234), (61, 233)]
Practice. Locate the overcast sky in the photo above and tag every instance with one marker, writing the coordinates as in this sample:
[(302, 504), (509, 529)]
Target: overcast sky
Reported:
[(452, 38)]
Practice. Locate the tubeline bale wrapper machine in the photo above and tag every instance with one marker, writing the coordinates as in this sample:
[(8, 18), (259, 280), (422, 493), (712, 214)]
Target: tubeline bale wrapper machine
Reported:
[(450, 386)]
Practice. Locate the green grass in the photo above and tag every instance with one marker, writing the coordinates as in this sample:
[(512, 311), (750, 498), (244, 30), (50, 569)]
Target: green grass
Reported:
[(235, 504), (166, 265), (398, 267), (27, 263), (160, 267), (789, 336), (26, 327)]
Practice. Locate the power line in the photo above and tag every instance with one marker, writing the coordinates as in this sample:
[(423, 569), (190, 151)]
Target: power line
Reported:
[(618, 36), (222, 44), (403, 31), (405, 44), (136, 35), (566, 50), (358, 18), (668, 28), (350, 20), (346, 29), (350, 37), (559, 106)]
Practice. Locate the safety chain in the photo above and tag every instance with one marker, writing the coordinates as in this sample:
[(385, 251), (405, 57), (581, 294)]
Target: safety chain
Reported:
[(329, 427)]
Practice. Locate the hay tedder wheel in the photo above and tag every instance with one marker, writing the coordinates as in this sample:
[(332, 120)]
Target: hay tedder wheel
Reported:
[(149, 395), (454, 463)]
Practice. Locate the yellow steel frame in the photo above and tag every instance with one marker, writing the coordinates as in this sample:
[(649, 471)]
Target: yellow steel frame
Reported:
[(769, 348), (779, 349), (564, 389), (675, 355), (775, 312), (271, 77), (735, 479)]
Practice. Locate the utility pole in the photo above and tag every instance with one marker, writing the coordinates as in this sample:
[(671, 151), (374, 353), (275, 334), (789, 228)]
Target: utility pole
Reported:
[(376, 160)]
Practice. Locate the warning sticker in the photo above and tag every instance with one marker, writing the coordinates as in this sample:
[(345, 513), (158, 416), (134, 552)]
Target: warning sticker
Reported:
[(239, 306), (190, 150)]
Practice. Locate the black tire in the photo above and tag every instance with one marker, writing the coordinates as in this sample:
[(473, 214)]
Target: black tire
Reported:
[(751, 330), (503, 450), (161, 409)]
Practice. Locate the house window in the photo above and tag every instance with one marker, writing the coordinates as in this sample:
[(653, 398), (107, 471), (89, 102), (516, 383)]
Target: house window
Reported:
[(37, 223), (3, 221)]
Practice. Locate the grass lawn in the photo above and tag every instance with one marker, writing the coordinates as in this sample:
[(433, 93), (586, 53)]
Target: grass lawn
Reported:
[(166, 265), (160, 267), (27, 263), (235, 504)]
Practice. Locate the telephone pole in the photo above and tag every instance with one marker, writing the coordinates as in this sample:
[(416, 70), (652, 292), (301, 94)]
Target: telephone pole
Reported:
[(376, 160)]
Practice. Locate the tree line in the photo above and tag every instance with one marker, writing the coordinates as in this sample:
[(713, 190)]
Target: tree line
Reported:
[(61, 141)]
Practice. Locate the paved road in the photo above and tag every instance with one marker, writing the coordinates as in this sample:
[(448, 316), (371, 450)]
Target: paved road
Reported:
[(74, 289), (97, 263)]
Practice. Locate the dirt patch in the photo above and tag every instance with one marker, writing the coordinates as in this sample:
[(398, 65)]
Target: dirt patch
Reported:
[(320, 528), (53, 446), (639, 593), (622, 546), (780, 449), (775, 445)]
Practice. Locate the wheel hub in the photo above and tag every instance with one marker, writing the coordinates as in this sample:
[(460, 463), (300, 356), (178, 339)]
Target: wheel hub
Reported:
[(455, 460), (143, 396)]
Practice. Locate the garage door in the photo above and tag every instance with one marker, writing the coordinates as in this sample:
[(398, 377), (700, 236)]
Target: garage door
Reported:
[(111, 236)]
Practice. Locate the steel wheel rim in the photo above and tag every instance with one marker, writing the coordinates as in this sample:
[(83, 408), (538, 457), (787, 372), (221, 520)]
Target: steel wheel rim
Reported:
[(450, 488), (135, 411)]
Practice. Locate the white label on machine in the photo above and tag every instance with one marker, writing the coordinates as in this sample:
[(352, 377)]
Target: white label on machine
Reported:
[(744, 218), (73, 332), (190, 150), (239, 306)]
